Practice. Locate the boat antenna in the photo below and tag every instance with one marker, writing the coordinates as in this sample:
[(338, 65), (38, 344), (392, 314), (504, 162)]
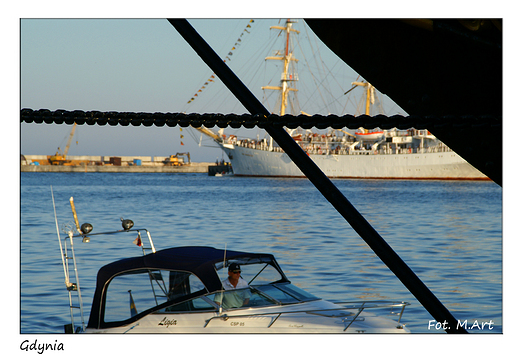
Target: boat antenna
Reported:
[(59, 239)]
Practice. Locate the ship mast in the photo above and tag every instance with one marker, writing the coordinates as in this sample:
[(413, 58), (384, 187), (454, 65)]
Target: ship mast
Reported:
[(369, 99), (287, 58), (370, 95)]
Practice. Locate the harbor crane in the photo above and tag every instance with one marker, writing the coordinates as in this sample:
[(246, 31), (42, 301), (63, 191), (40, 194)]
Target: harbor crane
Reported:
[(60, 158)]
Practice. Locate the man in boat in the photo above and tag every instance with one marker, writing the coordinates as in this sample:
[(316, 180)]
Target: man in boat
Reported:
[(235, 297)]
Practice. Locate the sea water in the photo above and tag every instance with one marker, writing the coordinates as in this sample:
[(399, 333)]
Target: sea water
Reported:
[(448, 232)]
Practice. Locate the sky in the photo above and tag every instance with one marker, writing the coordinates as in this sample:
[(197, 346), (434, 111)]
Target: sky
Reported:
[(144, 65)]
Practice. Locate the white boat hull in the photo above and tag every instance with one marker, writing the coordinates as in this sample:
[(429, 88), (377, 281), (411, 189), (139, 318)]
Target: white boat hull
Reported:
[(264, 320), (436, 165)]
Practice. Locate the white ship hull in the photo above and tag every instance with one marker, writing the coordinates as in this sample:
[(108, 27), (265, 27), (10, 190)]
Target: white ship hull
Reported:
[(436, 165)]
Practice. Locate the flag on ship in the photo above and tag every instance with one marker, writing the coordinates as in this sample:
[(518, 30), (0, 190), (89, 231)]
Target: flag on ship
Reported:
[(227, 58)]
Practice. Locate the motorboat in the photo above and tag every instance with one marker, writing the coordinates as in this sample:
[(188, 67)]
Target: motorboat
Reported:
[(180, 290)]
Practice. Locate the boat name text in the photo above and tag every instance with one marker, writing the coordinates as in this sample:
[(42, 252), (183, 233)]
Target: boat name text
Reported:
[(167, 322), (40, 347)]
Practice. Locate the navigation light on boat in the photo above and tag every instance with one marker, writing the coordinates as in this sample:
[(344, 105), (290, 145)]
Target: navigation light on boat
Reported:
[(86, 228), (127, 224), (86, 239)]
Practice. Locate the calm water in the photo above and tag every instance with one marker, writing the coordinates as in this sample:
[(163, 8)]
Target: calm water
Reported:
[(449, 233)]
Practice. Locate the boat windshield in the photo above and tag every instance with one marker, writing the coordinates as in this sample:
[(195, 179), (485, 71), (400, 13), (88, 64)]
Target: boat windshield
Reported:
[(267, 287), (255, 271), (285, 293), (260, 296)]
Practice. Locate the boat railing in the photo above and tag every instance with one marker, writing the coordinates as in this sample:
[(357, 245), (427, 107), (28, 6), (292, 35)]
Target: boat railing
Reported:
[(146, 243), (355, 308), (71, 270), (68, 256), (400, 306)]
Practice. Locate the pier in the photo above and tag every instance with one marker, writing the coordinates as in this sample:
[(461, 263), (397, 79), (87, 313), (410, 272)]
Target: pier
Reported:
[(112, 164)]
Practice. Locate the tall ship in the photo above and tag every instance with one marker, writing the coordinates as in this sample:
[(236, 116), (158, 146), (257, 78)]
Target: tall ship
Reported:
[(376, 153)]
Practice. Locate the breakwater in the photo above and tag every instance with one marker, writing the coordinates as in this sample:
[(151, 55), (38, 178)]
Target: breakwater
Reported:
[(122, 164), (194, 167)]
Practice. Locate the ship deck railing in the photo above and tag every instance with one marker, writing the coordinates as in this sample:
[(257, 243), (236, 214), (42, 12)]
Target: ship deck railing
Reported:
[(318, 150)]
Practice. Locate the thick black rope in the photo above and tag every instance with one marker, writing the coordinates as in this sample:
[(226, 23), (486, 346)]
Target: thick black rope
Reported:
[(210, 120)]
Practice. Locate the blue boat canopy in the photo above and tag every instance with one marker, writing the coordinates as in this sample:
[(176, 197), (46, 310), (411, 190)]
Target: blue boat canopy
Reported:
[(170, 267)]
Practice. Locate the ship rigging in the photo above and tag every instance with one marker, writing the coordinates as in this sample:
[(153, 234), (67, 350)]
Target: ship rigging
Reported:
[(374, 153)]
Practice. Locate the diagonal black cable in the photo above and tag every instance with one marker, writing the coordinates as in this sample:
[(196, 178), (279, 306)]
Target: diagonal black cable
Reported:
[(321, 182)]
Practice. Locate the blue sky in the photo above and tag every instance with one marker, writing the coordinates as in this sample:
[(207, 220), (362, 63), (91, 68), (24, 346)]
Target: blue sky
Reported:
[(144, 65)]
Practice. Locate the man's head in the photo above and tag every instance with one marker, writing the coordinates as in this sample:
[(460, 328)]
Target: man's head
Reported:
[(234, 270)]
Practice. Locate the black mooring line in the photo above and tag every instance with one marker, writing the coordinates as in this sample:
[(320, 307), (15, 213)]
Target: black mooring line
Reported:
[(320, 181)]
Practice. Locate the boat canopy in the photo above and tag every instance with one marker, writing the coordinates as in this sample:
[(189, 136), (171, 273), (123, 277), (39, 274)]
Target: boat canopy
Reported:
[(201, 262)]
